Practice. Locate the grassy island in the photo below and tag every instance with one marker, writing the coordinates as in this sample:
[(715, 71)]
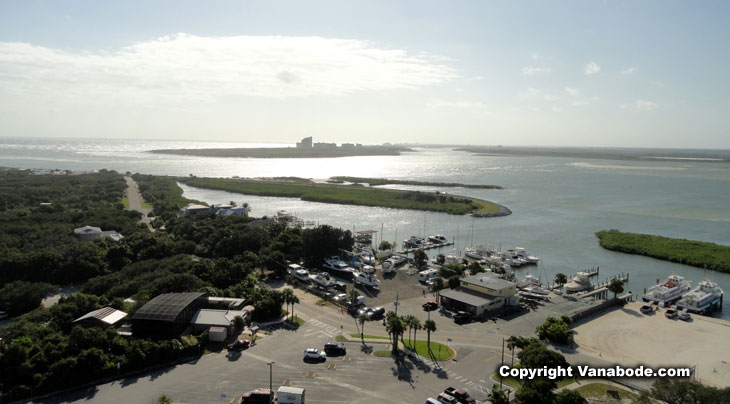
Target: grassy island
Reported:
[(696, 253), (352, 195), (289, 152), (384, 181)]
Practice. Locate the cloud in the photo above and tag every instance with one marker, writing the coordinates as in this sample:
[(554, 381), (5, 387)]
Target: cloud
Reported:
[(187, 67), (641, 105), (629, 71), (591, 68), (475, 106), (533, 70), (572, 91)]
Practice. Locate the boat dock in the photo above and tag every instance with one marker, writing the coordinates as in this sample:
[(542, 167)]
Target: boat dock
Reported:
[(427, 246), (600, 290)]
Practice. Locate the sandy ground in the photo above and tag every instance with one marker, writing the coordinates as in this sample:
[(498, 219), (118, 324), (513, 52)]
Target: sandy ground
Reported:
[(631, 338)]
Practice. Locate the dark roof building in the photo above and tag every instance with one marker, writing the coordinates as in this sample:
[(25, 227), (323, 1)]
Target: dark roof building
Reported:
[(168, 314)]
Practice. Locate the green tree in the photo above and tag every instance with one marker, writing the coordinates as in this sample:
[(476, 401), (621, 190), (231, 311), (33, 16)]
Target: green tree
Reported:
[(569, 397), (21, 297), (429, 326), (420, 257), (352, 298), (238, 322), (616, 286), (440, 259), (164, 399), (294, 300), (385, 245), (438, 284), (416, 324), (408, 321), (287, 294), (395, 328), (497, 396), (362, 319), (474, 267), (554, 330), (561, 279), (454, 282)]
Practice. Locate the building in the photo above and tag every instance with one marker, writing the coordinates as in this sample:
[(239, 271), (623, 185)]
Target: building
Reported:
[(479, 293), (306, 143), (235, 211), (225, 303), (168, 314), (91, 233), (103, 317), (192, 208), (327, 146), (205, 319)]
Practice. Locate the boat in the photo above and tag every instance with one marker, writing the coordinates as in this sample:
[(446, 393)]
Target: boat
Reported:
[(437, 239), (366, 256), (668, 292), (477, 253), (323, 279), (397, 260), (581, 281), (703, 299), (531, 259), (528, 281), (368, 269), (413, 242), (366, 279), (338, 267), (535, 290), (299, 273)]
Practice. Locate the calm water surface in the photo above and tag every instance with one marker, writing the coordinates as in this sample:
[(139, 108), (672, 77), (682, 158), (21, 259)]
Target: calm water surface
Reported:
[(557, 203)]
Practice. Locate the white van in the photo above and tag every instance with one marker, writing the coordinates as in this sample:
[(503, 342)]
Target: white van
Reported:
[(290, 395)]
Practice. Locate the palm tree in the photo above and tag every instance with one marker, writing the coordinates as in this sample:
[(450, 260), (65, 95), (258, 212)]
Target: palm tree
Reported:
[(408, 321), (561, 279), (352, 297), (430, 327), (416, 326), (294, 300), (287, 294), (395, 329), (616, 286), (362, 318)]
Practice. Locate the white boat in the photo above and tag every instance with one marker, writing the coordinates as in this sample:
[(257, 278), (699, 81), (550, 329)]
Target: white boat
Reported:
[(437, 239), (323, 279), (367, 257), (528, 281), (478, 253), (581, 281), (299, 273), (368, 269), (668, 292), (413, 242), (366, 279), (397, 260), (705, 298), (535, 289), (338, 267), (532, 259)]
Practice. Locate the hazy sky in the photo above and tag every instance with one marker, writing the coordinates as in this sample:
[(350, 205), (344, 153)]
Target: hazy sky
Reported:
[(575, 73)]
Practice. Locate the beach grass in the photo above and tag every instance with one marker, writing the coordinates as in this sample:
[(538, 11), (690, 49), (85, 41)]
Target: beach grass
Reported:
[(349, 195), (696, 253)]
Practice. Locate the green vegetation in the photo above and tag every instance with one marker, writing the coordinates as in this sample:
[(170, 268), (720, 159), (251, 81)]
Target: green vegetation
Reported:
[(438, 351), (599, 390), (696, 253), (685, 392), (383, 354), (556, 330), (21, 297), (349, 195), (384, 181), (288, 152), (125, 202), (357, 335), (163, 195)]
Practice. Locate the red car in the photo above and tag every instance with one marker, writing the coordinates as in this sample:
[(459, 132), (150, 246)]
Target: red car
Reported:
[(239, 345), (430, 305)]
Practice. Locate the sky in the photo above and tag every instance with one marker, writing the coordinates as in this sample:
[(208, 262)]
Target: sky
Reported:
[(546, 73)]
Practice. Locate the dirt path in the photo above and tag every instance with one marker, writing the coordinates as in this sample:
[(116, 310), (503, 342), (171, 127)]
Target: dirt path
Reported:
[(135, 201)]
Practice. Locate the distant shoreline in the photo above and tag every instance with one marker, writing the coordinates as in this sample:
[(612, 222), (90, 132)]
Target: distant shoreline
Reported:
[(667, 155), (288, 152)]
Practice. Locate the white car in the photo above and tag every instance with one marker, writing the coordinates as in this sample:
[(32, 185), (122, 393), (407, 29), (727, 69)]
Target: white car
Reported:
[(314, 354), (342, 297)]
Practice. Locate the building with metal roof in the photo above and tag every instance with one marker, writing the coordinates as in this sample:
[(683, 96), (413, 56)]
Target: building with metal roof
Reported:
[(104, 317), (169, 313), (479, 293)]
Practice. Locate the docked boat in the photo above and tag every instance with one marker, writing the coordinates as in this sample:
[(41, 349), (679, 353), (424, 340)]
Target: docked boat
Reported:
[(529, 280), (437, 239), (338, 267), (535, 289), (414, 242), (366, 279), (531, 259), (323, 279), (299, 273), (368, 269), (397, 260), (581, 281), (705, 298), (668, 292), (367, 257)]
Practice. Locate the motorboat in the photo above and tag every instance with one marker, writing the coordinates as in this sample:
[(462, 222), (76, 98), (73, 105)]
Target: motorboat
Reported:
[(535, 290), (299, 273), (705, 298), (478, 253), (531, 259), (668, 292), (437, 239), (366, 279), (323, 279), (581, 281), (368, 269), (529, 280), (414, 242), (397, 260), (367, 257), (338, 267)]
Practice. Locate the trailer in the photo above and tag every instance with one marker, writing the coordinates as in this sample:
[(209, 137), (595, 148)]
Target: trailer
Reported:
[(290, 395)]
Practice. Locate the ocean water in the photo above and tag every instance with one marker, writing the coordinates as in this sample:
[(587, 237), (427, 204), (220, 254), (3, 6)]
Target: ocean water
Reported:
[(558, 203)]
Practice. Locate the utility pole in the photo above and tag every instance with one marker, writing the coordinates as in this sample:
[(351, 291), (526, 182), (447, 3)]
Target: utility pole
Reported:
[(271, 392), (500, 374), (396, 304)]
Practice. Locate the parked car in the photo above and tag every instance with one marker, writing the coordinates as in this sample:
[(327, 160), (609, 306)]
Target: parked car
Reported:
[(647, 309), (684, 316), (378, 313), (239, 345), (314, 354), (366, 310), (430, 305), (341, 286), (340, 298), (462, 317), (333, 348), (670, 313), (447, 399), (258, 396), (461, 395)]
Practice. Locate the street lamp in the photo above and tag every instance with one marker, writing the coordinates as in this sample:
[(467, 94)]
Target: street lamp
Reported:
[(271, 393)]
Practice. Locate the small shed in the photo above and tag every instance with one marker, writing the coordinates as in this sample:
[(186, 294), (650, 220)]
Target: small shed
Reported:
[(104, 317), (217, 334)]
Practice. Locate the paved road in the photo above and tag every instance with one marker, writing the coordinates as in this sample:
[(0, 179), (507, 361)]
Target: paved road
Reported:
[(135, 201)]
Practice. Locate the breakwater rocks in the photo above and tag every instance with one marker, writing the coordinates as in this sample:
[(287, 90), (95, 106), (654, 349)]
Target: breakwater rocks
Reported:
[(503, 211)]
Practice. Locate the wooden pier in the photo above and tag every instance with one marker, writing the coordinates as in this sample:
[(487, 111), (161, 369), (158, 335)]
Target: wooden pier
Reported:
[(427, 246)]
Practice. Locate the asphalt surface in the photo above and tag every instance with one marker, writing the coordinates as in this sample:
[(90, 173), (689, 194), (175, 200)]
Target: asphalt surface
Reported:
[(135, 200)]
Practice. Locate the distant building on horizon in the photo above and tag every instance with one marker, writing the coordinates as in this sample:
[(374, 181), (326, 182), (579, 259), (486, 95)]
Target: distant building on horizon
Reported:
[(306, 143)]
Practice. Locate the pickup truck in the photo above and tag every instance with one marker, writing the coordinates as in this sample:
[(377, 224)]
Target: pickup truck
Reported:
[(461, 395)]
